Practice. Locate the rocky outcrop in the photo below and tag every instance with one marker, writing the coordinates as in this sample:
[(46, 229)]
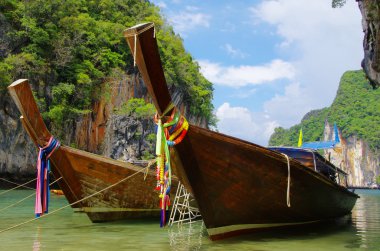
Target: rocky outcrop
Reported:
[(103, 131), (355, 157), (120, 136), (17, 152), (370, 10)]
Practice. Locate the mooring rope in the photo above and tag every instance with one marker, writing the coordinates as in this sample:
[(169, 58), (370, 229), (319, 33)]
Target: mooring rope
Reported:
[(71, 204), (27, 197), (18, 185), (150, 163), (288, 186)]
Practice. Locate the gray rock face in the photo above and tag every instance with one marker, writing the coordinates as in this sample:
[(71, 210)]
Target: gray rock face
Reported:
[(103, 131), (125, 138), (370, 10), (17, 152), (355, 157)]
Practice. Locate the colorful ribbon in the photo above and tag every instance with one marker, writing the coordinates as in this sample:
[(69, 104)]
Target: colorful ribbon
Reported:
[(168, 134), (43, 169)]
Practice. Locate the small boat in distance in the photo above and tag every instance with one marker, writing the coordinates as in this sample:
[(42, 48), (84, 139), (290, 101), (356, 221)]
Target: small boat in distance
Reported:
[(239, 186), (128, 189), (57, 191)]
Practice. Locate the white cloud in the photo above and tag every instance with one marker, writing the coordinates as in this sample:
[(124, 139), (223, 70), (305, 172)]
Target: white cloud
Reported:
[(289, 105), (238, 76), (323, 43), (187, 20), (241, 123), (161, 4), (243, 93), (233, 52)]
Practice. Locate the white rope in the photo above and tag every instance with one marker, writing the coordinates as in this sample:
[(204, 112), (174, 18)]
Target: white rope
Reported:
[(288, 186), (150, 163), (135, 36), (18, 202), (27, 197), (22, 185), (69, 205)]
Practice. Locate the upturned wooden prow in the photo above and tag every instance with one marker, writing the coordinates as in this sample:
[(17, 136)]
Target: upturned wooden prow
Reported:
[(31, 116), (143, 44), (34, 125)]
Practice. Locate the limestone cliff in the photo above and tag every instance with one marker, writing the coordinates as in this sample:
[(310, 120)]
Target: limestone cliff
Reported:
[(119, 136), (355, 157), (370, 10), (102, 131), (17, 152)]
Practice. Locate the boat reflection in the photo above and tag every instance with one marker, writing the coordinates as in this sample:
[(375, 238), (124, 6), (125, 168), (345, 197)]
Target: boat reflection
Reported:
[(187, 236), (37, 240), (366, 219)]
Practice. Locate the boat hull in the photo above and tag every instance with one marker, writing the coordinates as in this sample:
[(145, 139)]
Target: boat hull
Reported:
[(104, 188), (128, 190), (239, 186), (242, 187)]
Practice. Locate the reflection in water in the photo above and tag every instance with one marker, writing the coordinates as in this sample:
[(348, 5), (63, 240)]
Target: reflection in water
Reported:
[(37, 240), (72, 231), (366, 218), (187, 236)]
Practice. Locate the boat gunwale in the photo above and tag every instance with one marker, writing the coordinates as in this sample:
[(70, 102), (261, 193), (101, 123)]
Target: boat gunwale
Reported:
[(274, 154)]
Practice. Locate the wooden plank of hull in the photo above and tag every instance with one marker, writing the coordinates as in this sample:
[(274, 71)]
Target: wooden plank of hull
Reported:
[(146, 58), (237, 183), (132, 198), (36, 128), (71, 197), (84, 173)]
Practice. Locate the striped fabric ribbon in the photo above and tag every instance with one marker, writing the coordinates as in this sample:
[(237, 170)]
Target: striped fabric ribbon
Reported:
[(168, 134), (43, 169)]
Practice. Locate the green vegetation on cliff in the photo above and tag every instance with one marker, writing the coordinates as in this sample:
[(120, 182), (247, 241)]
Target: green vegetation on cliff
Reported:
[(356, 110), (67, 49)]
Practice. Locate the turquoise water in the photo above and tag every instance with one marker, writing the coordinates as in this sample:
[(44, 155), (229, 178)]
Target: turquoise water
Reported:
[(67, 230)]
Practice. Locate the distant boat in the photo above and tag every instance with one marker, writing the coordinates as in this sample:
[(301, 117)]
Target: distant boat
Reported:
[(57, 191), (239, 186), (84, 174), (320, 145)]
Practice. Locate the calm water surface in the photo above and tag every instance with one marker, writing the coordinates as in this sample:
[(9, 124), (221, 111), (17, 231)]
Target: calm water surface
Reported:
[(67, 230)]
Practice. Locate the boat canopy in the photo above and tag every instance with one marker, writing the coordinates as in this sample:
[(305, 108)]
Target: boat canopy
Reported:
[(319, 145), (316, 145), (311, 159)]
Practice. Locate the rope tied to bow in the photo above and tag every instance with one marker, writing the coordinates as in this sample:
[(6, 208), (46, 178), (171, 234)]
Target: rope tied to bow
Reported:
[(43, 169), (288, 181), (170, 133)]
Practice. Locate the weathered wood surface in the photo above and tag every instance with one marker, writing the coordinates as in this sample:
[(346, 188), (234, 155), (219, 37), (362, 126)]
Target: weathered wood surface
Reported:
[(32, 121), (84, 173), (239, 186)]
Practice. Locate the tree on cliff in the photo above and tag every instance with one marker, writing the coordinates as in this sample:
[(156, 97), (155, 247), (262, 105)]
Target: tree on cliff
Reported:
[(338, 3), (67, 49), (355, 109)]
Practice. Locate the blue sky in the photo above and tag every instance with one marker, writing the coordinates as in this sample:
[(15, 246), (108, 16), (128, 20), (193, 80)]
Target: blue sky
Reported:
[(271, 61)]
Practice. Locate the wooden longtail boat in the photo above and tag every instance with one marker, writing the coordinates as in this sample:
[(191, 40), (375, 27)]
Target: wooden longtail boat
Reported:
[(84, 174), (240, 186)]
